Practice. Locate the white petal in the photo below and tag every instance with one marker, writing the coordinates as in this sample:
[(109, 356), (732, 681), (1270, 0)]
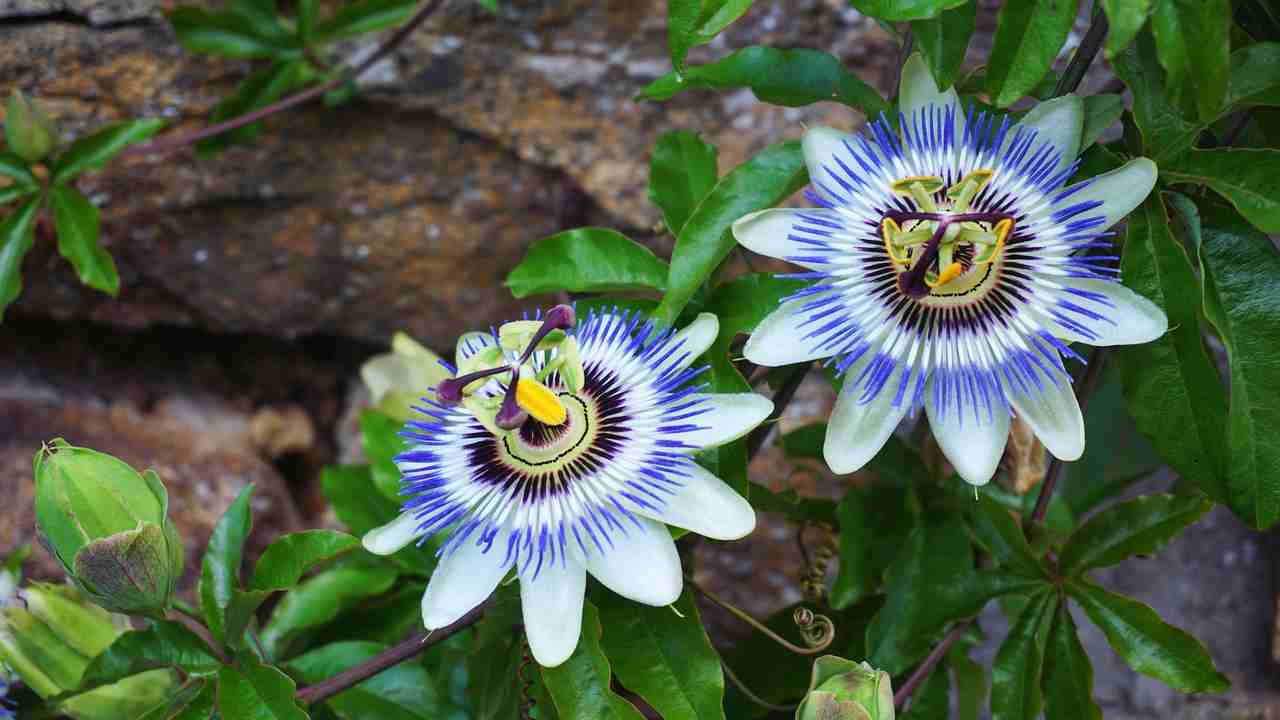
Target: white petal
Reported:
[(973, 442), (1059, 121), (552, 608), (697, 337), (1119, 191), (463, 579), (642, 565), (469, 343), (772, 233), (779, 339), (731, 415), (707, 506), (1053, 414), (1130, 318), (917, 90), (393, 536), (858, 430), (821, 145)]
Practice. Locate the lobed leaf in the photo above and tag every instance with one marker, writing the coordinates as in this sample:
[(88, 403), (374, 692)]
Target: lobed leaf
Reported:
[(165, 644), (1248, 178), (1015, 675), (1124, 19), (290, 556), (1193, 39), (363, 16), (893, 10), (1142, 526), (1067, 682), (319, 600)]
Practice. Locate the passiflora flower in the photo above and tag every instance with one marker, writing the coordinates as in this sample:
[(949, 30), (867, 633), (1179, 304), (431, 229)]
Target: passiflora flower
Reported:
[(952, 265), (560, 449)]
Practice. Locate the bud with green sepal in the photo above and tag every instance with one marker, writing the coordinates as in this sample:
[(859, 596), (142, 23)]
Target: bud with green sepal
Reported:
[(108, 525), (844, 690), (27, 130)]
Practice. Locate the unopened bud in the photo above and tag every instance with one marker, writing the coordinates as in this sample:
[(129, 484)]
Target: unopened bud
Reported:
[(27, 130), (844, 690)]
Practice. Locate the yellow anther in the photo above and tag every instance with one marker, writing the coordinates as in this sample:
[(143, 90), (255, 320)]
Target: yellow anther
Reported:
[(951, 272), (1002, 230), (992, 251), (540, 402), (890, 231), (928, 183), (977, 179)]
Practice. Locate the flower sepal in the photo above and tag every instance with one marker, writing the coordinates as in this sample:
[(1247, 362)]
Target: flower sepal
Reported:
[(841, 689)]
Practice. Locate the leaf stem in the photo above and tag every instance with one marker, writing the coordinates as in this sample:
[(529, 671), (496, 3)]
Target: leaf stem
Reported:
[(1073, 75), (197, 626), (409, 647), (748, 694), (930, 662), (169, 144)]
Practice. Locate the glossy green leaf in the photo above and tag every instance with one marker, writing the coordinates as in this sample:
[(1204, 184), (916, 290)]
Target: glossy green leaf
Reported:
[(931, 583), (192, 701), (165, 644), (1193, 38), (220, 569), (17, 232), (580, 686), (1124, 19), (1241, 270), (1100, 113), (286, 559), (77, 221), (932, 699), (681, 172), (1248, 179), (495, 668), (1067, 682), (742, 303), (380, 435), (664, 657), (894, 10), (944, 40), (263, 18), (1002, 536), (770, 177), (780, 77), (1171, 384), (1147, 643), (1015, 676), (401, 691), (364, 16), (18, 169), (1029, 34), (970, 682), (1142, 526), (682, 19), (1165, 133), (874, 523), (1255, 76), (256, 91), (217, 33), (250, 690), (320, 600), (587, 260), (716, 16), (92, 152), (355, 499)]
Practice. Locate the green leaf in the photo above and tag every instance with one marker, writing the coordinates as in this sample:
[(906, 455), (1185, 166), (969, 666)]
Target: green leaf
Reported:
[(252, 691), (1249, 179), (580, 686), (1148, 644), (92, 152), (932, 699), (874, 523), (192, 701), (1015, 676), (1001, 535), (742, 303), (728, 461), (1100, 113), (364, 16), (1165, 133), (220, 569), (1255, 76), (382, 442), (361, 506), (285, 561), (681, 172), (262, 17), (215, 33), (1124, 18), (319, 600), (256, 91), (401, 691), (1193, 38), (495, 663), (780, 77), (931, 583), (307, 11), (1142, 526), (1171, 383), (16, 192), (1029, 34), (971, 684), (894, 10), (1067, 682), (164, 644), (716, 16), (944, 40), (1241, 271), (15, 167), (706, 239), (663, 656), (17, 232), (587, 260), (682, 18), (76, 221)]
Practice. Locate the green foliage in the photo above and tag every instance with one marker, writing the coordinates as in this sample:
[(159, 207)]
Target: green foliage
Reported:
[(17, 233), (164, 644), (580, 686), (220, 570), (1124, 19), (403, 691), (1142, 526), (1067, 677), (1015, 676), (696, 22), (1248, 179), (587, 260), (681, 172), (944, 40), (1193, 40), (1029, 35), (253, 691), (904, 9)]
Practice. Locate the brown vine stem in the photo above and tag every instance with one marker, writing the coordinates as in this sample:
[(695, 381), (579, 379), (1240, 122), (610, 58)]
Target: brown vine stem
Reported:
[(760, 627), (195, 625), (409, 647), (169, 144)]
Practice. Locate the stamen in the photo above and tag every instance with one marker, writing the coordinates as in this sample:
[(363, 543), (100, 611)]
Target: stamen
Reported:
[(511, 415), (560, 317), (538, 400), (450, 390), (920, 189)]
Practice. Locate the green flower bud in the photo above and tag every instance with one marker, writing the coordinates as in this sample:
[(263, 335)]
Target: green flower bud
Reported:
[(108, 526), (844, 690), (28, 131), (399, 379), (50, 642)]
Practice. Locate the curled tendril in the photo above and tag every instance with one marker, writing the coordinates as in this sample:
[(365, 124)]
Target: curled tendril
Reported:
[(814, 582), (824, 630), (817, 630)]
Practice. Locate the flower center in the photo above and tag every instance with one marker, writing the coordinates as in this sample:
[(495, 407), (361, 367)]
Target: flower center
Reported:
[(943, 251), (538, 448)]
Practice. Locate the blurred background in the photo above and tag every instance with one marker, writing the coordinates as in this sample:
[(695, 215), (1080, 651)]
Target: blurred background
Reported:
[(255, 281)]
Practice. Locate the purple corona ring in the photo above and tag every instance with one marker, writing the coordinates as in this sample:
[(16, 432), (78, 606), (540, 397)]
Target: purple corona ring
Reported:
[(951, 267), (562, 448)]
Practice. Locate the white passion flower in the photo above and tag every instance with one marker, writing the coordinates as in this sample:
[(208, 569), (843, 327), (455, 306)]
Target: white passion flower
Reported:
[(951, 267), (562, 448)]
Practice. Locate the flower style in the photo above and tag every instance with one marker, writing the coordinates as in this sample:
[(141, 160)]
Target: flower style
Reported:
[(559, 450), (952, 269)]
